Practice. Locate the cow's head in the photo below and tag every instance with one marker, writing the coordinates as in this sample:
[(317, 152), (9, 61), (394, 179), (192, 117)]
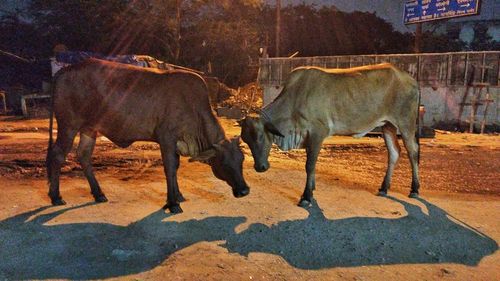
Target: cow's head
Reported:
[(257, 133), (226, 160)]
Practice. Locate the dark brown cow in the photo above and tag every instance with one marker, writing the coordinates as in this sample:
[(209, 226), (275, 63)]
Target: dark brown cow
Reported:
[(126, 104), (316, 103)]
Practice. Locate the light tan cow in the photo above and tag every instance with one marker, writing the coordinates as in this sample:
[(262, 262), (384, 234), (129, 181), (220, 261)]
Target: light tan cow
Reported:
[(316, 103)]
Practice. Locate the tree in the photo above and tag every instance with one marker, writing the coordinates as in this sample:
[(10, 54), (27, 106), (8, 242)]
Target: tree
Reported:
[(482, 41), (18, 36), (110, 27), (81, 25), (328, 31), (221, 35), (435, 41), (217, 36)]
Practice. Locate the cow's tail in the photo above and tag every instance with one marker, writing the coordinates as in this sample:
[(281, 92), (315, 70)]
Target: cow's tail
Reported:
[(417, 133), (48, 161)]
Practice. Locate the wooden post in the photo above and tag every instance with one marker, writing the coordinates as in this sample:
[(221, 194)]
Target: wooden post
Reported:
[(476, 94), (466, 80), (278, 27), (498, 72), (449, 69), (487, 101), (483, 67), (419, 64), (4, 103), (24, 109)]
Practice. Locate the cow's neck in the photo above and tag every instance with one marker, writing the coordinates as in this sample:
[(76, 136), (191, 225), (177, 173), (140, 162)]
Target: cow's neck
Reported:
[(194, 142), (277, 112), (213, 133), (287, 121)]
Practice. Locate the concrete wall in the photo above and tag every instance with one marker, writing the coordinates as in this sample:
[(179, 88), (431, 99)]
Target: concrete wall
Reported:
[(441, 103)]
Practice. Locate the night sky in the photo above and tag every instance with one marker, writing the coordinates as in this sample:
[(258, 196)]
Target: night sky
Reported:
[(390, 10)]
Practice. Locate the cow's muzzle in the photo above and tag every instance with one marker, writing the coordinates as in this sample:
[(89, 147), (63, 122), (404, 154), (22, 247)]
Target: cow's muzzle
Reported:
[(241, 192), (261, 167)]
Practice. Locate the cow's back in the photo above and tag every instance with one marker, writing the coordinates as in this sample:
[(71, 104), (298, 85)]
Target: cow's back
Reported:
[(344, 101), (128, 103)]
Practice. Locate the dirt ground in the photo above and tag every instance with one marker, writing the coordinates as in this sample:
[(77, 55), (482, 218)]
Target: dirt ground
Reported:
[(451, 233)]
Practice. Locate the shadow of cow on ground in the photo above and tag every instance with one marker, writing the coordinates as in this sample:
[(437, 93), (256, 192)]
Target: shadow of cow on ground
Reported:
[(317, 242), (31, 249)]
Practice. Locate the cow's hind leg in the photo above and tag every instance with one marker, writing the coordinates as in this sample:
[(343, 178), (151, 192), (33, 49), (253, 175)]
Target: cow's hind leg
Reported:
[(313, 148), (411, 144), (55, 158), (180, 197), (85, 150), (393, 150), (170, 164)]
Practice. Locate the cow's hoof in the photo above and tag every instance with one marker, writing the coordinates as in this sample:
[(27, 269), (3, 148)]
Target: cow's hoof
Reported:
[(100, 199), (382, 193), (413, 195), (174, 209), (180, 198), (58, 202), (304, 203)]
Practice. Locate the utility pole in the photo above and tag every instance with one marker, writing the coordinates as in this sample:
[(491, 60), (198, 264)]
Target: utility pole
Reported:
[(278, 27), (418, 38)]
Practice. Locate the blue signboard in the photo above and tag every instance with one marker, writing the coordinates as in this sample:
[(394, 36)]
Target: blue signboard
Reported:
[(427, 10)]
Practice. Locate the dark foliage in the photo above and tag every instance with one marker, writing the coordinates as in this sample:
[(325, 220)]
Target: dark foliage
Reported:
[(220, 37), (482, 41), (327, 31)]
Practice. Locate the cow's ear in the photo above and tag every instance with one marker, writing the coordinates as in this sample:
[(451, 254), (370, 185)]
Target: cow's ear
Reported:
[(272, 129), (203, 156)]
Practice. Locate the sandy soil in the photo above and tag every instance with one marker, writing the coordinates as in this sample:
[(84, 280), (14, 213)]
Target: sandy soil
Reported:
[(452, 233)]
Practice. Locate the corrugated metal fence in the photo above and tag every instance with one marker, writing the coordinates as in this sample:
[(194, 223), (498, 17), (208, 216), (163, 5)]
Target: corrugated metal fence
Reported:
[(444, 69)]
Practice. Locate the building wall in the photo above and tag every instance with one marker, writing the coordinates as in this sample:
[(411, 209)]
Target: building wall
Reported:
[(442, 104)]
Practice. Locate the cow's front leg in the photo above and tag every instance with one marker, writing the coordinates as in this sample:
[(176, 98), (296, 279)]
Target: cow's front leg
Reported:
[(312, 149), (170, 164)]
